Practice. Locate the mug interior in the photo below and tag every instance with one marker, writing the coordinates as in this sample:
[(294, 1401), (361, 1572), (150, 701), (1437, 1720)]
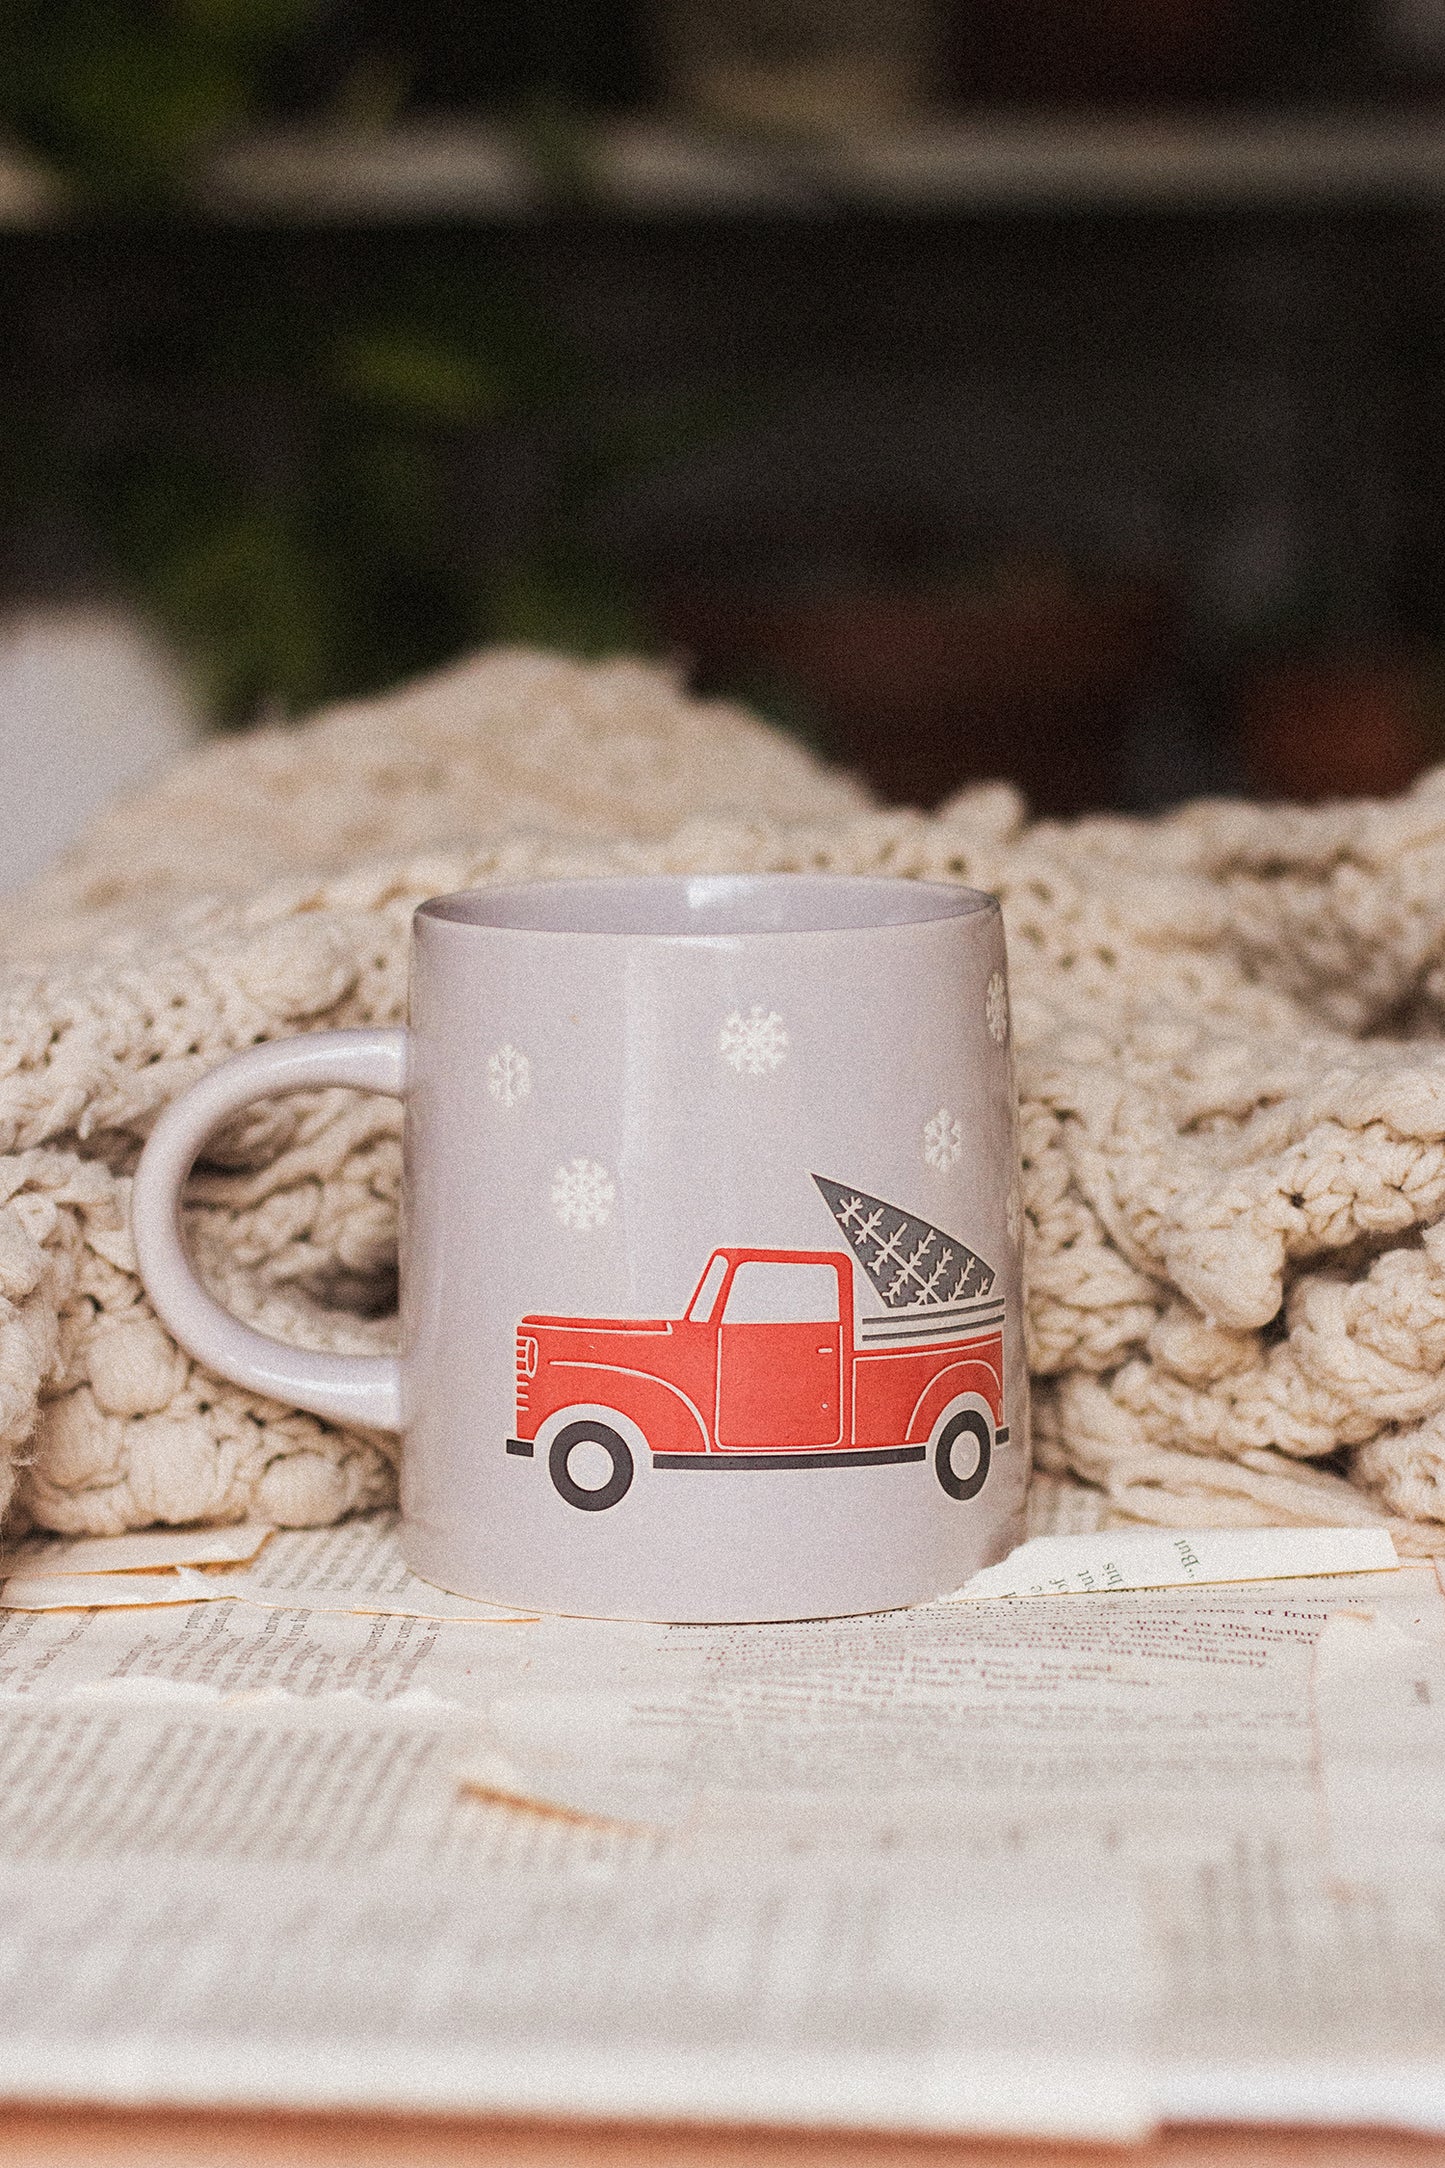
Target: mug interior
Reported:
[(709, 906)]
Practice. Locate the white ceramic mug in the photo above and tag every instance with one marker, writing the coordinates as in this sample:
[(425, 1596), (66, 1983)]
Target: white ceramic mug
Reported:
[(710, 1282)]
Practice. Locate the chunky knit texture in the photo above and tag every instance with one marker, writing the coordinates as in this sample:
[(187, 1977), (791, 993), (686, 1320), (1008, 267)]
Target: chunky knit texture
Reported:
[(1231, 1065)]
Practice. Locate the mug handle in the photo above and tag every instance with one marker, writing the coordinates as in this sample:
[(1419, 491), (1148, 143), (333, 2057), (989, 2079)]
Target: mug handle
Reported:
[(361, 1390)]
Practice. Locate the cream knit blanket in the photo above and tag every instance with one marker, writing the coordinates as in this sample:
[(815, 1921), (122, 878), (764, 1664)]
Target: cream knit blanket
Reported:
[(1230, 1057)]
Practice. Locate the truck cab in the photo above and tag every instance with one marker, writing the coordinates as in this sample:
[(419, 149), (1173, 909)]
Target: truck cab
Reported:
[(784, 1326)]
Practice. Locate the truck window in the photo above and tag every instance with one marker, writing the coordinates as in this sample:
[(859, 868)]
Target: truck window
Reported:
[(700, 1308), (767, 1294)]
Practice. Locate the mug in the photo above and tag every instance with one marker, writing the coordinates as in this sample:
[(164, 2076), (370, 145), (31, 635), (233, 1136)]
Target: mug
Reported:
[(710, 1286)]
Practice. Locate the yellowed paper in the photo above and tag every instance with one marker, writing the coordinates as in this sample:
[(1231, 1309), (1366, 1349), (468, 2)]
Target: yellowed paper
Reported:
[(123, 1591), (1116, 1559), (153, 1550)]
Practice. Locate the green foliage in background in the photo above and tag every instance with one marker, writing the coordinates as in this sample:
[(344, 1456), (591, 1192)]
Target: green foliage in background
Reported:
[(274, 463), (121, 97)]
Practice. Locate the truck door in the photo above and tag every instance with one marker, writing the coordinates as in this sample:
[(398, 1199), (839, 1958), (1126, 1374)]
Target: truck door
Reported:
[(780, 1357)]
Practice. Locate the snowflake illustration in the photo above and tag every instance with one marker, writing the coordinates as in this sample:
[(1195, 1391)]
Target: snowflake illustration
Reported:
[(509, 1075), (754, 1044), (995, 1009), (943, 1140), (582, 1194), (1015, 1214)]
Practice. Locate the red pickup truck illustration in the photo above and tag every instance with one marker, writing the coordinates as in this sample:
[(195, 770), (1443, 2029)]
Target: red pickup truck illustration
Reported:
[(766, 1368)]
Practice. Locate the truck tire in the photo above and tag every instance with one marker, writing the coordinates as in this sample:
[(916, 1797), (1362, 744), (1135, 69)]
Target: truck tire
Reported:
[(973, 1426), (588, 1429)]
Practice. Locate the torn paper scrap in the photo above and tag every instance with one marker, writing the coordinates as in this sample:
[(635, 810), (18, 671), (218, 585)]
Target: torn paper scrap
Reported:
[(153, 1550), (98, 1591), (1169, 1558), (1378, 1690), (354, 1567)]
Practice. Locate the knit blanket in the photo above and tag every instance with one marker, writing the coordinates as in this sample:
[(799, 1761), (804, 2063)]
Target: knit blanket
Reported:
[(1228, 1028)]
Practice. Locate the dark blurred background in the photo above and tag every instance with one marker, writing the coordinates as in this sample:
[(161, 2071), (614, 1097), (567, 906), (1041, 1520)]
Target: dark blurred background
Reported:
[(988, 386)]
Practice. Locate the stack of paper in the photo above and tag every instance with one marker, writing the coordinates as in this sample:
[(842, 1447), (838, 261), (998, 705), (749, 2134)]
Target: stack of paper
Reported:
[(63, 1573), (1062, 1864)]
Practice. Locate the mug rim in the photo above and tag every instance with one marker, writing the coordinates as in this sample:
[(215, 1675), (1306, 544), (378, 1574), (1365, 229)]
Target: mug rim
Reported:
[(521, 907)]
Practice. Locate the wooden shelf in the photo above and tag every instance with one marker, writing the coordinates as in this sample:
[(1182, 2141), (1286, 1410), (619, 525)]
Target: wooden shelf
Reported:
[(652, 167), (1287, 161)]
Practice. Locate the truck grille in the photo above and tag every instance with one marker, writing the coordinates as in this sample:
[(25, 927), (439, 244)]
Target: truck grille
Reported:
[(526, 1368)]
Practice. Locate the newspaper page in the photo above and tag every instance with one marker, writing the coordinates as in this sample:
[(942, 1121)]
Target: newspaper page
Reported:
[(1132, 1721), (1048, 1867)]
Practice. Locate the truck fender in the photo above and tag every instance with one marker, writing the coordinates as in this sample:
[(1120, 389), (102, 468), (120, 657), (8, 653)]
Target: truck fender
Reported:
[(595, 1410), (664, 1416), (971, 1376)]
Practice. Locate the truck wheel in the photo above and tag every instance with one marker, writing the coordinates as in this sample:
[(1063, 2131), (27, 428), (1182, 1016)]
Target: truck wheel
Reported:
[(975, 1430), (592, 1433)]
